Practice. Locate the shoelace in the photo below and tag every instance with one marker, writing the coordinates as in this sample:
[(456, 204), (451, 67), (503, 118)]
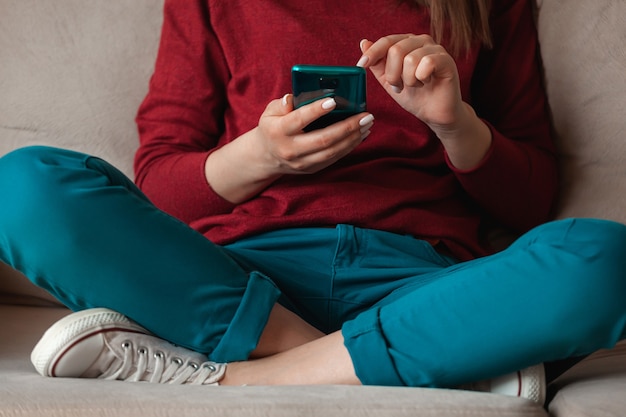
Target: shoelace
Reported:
[(174, 372)]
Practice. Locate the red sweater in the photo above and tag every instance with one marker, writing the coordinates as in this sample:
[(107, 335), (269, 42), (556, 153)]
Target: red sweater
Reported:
[(221, 62)]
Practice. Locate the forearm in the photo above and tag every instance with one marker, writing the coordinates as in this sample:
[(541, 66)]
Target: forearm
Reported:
[(516, 182), (278, 146)]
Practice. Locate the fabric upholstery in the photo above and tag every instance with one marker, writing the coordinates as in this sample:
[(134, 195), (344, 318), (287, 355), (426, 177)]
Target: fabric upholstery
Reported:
[(73, 74), (584, 58), (592, 387)]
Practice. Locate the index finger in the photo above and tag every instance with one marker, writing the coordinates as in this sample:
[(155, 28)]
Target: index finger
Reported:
[(378, 50)]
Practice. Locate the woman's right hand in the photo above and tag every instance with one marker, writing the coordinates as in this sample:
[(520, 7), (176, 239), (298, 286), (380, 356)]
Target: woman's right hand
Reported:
[(278, 146), (290, 150)]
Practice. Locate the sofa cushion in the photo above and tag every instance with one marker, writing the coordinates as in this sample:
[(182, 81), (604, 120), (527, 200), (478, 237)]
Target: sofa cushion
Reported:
[(73, 74), (24, 393), (594, 387), (582, 45)]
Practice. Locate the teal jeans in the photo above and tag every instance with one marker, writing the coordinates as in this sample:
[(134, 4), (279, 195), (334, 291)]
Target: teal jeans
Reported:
[(77, 227)]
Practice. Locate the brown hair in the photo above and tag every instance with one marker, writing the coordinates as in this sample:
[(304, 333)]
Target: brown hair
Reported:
[(468, 22)]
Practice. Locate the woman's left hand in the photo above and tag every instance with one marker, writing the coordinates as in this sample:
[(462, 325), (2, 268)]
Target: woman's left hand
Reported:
[(419, 74), (423, 78)]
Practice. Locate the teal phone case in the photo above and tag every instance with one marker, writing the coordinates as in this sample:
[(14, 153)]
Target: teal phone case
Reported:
[(347, 85)]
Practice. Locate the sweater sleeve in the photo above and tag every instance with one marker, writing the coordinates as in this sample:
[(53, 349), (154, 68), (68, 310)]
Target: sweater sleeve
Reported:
[(181, 119), (516, 183)]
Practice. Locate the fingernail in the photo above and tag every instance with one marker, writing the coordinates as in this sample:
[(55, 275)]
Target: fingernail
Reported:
[(329, 104), (285, 99), (366, 120), (365, 135), (396, 89), (362, 61), (366, 128), (361, 44)]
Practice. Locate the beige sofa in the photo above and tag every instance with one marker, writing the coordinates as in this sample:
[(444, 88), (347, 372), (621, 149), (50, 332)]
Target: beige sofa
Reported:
[(72, 74)]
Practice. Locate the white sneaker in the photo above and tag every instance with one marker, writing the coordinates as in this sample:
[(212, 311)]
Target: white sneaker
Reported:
[(101, 343), (528, 383)]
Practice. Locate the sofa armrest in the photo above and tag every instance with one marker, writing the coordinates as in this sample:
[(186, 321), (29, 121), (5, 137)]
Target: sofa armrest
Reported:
[(583, 53)]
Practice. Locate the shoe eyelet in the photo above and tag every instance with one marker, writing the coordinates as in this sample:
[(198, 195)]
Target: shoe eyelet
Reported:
[(194, 365), (210, 367), (126, 345), (142, 351), (177, 361), (159, 355)]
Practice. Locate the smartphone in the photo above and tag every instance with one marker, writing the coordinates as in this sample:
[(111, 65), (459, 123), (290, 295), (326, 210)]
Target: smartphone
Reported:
[(347, 85)]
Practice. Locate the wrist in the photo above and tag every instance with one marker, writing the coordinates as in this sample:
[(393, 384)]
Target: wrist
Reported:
[(255, 158), (237, 171), (466, 141)]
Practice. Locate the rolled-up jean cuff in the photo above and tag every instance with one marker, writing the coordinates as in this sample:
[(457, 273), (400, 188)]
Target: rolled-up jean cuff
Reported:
[(364, 339), (243, 333)]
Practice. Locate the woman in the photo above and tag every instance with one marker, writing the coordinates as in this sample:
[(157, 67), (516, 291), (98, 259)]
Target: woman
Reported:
[(370, 257)]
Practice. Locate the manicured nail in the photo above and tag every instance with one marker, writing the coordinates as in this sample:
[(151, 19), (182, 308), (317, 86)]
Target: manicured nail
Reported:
[(361, 44), (329, 104), (362, 61), (396, 89), (365, 135), (285, 99), (366, 120)]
